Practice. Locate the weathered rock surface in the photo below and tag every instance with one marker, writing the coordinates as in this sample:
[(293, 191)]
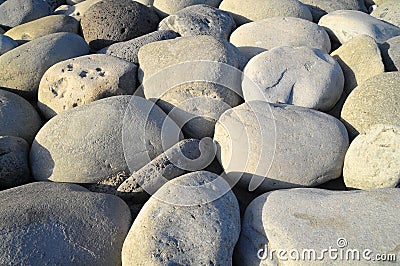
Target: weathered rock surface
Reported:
[(82, 80), (300, 76), (372, 160), (344, 25), (315, 219), (59, 224), (44, 26), (102, 139), (14, 166), (256, 37), (320, 8), (188, 155), (252, 10), (129, 50), (267, 146), (6, 44), (360, 59), (107, 22), (22, 68), (165, 8), (200, 20), (18, 117), (199, 231), (195, 79), (388, 11), (16, 12), (375, 101), (391, 54)]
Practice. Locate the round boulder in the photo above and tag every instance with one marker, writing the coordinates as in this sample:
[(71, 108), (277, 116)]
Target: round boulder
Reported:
[(16, 12)]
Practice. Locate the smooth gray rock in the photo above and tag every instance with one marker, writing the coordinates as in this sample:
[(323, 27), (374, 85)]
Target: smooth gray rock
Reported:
[(186, 156), (373, 160), (22, 68), (110, 21), (343, 25), (200, 20), (102, 139), (390, 51), (16, 12), (6, 44), (18, 117), (199, 231), (61, 224), (320, 8), (388, 11), (168, 7), (129, 50), (313, 219), (82, 80), (300, 76), (267, 146), (246, 11), (194, 79), (375, 101), (259, 36), (44, 26), (14, 166)]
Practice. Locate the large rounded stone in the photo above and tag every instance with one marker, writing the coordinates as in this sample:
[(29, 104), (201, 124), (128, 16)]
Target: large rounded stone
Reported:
[(256, 37), (375, 101), (22, 68), (268, 146), (200, 20), (44, 26), (391, 54), (389, 11), (47, 223), (294, 75), (320, 8), (105, 138), (252, 10), (18, 117), (6, 44), (198, 231), (344, 25), (373, 160), (14, 166), (110, 21), (301, 225), (16, 12), (189, 77), (168, 7), (129, 50), (360, 59), (82, 80)]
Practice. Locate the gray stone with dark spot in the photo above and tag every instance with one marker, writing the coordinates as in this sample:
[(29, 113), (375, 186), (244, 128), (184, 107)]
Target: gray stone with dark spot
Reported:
[(196, 231), (18, 117), (111, 21), (14, 166), (200, 20), (129, 50), (47, 223), (16, 12)]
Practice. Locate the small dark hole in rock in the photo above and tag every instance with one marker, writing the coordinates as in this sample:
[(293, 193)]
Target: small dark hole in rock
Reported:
[(122, 30), (75, 105)]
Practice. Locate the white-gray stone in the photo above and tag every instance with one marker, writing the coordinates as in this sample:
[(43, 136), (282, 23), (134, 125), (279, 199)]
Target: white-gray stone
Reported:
[(82, 80), (200, 20), (388, 11), (274, 146), (16, 12), (102, 139), (245, 11), (77, 11), (202, 233), (6, 44), (373, 160), (168, 7), (46, 223), (390, 51), (22, 68), (14, 166), (308, 220), (256, 37), (343, 25), (320, 8), (18, 117), (300, 76)]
